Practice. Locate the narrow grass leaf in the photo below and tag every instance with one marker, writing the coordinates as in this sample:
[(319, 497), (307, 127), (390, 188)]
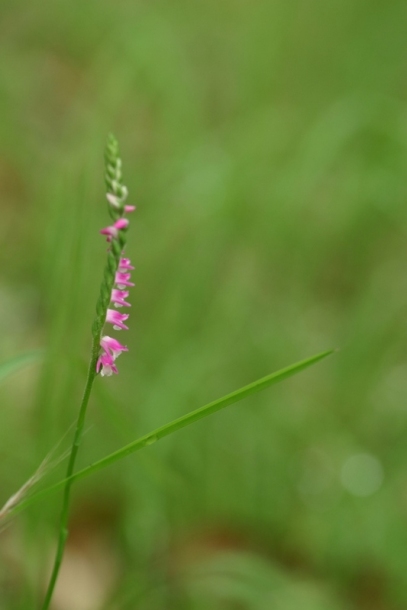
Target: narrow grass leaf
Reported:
[(182, 422)]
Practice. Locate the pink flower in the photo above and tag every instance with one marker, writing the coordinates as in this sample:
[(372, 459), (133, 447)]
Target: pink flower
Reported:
[(129, 208), (113, 231), (112, 346), (125, 265), (118, 297), (122, 280), (105, 365), (117, 319)]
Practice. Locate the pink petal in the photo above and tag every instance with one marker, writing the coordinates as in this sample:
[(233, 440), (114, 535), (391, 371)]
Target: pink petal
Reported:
[(105, 365), (119, 296), (112, 346), (117, 319), (125, 265), (113, 230), (122, 223), (122, 280)]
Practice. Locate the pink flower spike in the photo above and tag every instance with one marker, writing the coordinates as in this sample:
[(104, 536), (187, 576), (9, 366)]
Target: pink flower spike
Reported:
[(112, 346), (117, 319), (129, 208), (125, 265), (113, 231), (118, 297), (105, 365), (122, 280)]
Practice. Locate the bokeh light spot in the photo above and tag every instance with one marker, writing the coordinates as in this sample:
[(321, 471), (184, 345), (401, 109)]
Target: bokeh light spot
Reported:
[(362, 474)]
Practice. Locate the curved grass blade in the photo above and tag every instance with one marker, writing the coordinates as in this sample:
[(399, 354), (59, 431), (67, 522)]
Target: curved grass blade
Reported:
[(181, 422), (19, 362)]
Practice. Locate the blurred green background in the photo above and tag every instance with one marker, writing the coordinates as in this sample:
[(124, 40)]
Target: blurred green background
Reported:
[(265, 146)]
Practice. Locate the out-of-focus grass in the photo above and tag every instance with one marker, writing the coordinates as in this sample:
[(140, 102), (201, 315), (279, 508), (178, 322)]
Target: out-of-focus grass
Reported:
[(265, 145)]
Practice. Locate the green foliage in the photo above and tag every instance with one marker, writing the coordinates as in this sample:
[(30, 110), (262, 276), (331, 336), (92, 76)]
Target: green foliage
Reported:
[(265, 147), (15, 364)]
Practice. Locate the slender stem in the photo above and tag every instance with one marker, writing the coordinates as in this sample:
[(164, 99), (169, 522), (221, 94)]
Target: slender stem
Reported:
[(63, 528), (117, 239)]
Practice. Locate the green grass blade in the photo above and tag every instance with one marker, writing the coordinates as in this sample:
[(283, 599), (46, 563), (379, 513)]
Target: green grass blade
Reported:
[(183, 421), (11, 366), (189, 418)]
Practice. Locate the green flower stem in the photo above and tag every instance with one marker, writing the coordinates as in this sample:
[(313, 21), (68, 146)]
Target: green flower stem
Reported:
[(113, 177), (63, 527)]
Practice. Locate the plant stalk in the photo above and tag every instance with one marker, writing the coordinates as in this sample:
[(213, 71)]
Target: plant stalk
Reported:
[(63, 527)]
